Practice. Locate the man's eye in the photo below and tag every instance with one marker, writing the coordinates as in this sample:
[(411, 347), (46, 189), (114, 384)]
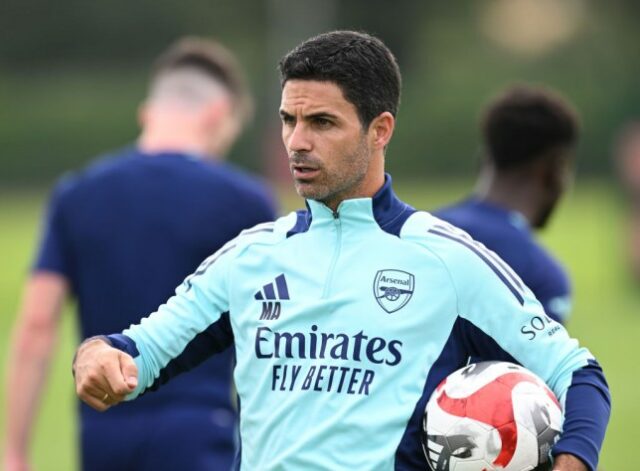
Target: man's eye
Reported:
[(288, 120), (322, 122)]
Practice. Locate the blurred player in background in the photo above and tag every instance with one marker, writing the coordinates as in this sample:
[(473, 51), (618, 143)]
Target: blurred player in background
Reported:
[(118, 237), (627, 156), (529, 137)]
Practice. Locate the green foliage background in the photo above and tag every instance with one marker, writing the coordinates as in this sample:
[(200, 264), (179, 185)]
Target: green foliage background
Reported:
[(72, 74), (586, 235)]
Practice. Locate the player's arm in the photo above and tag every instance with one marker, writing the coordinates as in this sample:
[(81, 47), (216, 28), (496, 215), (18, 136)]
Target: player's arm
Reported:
[(190, 327), (503, 326), (504, 321), (33, 340)]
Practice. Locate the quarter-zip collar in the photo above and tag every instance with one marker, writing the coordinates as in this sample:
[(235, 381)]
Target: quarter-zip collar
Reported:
[(384, 209)]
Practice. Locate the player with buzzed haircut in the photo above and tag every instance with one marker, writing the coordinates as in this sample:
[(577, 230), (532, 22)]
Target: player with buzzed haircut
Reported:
[(118, 237)]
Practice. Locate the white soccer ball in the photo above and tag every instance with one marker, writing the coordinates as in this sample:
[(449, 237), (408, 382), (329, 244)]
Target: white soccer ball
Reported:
[(491, 416)]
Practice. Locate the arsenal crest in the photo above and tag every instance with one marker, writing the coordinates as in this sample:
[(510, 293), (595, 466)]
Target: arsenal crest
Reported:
[(393, 289)]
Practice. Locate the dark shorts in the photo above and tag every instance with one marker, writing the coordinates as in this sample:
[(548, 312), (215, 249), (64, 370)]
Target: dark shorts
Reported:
[(168, 440)]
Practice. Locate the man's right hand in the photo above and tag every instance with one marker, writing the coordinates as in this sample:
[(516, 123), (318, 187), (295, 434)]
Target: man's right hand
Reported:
[(104, 375)]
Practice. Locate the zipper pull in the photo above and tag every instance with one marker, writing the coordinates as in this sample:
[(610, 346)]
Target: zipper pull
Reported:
[(336, 215)]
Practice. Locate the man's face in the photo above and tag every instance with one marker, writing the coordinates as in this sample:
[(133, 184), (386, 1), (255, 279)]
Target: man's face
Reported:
[(329, 151), (561, 176)]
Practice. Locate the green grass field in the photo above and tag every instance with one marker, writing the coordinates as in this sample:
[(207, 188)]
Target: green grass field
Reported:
[(587, 234)]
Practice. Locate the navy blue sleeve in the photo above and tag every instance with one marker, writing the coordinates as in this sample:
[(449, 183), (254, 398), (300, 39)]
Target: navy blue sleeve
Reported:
[(588, 406), (53, 252), (122, 343), (215, 339)]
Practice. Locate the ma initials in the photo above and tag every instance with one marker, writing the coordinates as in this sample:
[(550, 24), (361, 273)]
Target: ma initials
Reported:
[(270, 310)]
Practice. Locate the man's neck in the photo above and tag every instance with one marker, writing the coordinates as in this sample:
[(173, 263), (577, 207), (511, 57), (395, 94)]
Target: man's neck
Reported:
[(154, 143), (367, 189)]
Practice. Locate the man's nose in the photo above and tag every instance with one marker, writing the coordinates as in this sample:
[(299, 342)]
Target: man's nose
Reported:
[(299, 139)]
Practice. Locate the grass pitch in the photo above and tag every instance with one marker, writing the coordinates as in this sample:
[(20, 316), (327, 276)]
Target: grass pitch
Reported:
[(587, 234)]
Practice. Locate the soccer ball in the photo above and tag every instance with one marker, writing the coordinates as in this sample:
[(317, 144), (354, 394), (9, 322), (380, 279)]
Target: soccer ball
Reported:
[(491, 416)]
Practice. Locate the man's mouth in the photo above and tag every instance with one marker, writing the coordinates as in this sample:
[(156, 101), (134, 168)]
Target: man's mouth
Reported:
[(303, 172)]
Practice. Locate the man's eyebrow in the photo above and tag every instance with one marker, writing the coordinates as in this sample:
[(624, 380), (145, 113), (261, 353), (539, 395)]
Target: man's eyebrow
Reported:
[(321, 114)]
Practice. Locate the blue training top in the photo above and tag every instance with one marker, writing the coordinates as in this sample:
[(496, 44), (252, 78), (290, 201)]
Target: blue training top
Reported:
[(344, 322), (128, 229), (509, 235)]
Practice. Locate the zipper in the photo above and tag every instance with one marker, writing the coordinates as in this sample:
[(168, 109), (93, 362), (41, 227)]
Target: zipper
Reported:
[(336, 254)]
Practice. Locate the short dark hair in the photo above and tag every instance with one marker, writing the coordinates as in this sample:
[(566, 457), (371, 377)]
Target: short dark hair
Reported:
[(212, 59), (524, 123), (360, 64)]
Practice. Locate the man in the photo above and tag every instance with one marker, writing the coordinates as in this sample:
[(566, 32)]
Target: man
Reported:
[(346, 316), (529, 136), (119, 237)]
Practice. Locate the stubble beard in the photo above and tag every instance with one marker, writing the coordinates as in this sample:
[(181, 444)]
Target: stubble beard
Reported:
[(343, 183)]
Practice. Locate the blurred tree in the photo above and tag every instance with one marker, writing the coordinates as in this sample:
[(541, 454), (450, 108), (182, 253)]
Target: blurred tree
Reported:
[(72, 72)]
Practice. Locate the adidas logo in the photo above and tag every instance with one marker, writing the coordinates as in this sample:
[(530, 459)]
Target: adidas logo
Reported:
[(271, 296)]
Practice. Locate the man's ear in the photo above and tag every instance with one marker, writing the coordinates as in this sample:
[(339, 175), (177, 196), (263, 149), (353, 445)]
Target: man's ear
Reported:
[(541, 170), (548, 174), (381, 130), (554, 169)]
